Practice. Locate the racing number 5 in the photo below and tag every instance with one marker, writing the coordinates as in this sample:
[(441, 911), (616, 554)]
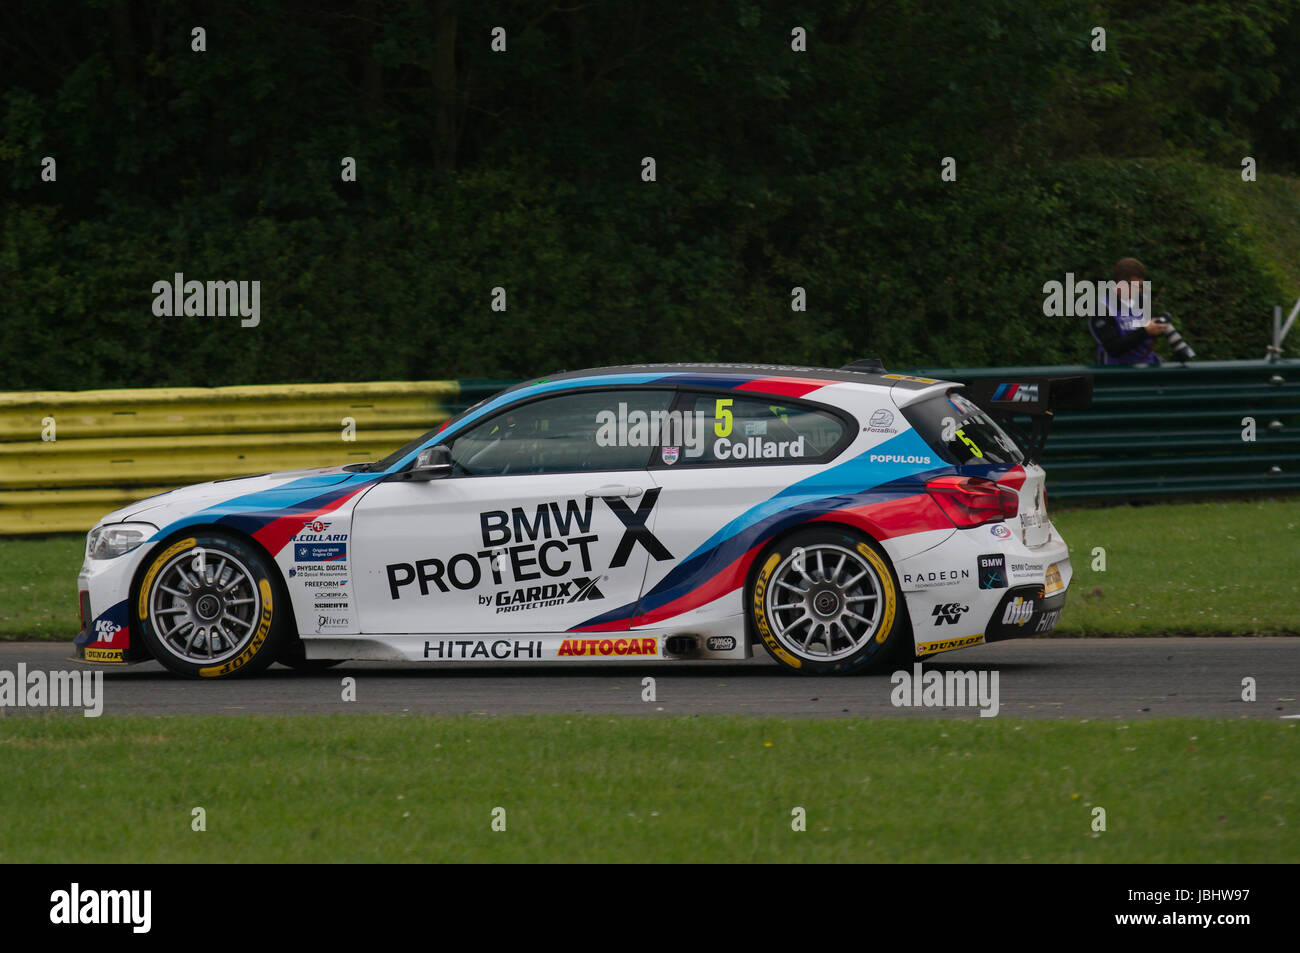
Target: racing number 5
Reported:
[(974, 448), (722, 417)]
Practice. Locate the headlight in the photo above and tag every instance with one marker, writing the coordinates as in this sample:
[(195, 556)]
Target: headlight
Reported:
[(116, 539)]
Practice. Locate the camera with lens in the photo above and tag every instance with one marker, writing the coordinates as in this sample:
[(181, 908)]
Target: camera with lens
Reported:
[(1181, 349)]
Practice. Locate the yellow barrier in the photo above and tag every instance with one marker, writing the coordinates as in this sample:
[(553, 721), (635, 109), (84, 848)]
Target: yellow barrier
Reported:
[(112, 447)]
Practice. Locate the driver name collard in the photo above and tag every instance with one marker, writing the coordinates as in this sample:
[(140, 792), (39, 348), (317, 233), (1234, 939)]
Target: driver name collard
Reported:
[(552, 542)]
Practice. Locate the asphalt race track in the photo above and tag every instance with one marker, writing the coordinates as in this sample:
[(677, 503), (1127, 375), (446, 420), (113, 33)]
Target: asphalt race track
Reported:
[(1042, 678)]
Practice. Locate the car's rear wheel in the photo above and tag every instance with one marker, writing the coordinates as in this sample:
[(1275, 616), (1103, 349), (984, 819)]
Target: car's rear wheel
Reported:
[(825, 601), (211, 606)]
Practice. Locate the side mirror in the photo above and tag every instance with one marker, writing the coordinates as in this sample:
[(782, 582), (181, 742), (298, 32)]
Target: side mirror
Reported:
[(433, 463)]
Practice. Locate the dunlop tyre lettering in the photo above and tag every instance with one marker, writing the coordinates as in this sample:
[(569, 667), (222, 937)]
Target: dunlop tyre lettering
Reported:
[(846, 643)]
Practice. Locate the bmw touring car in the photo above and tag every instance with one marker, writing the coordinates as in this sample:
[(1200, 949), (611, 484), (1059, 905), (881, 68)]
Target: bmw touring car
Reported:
[(837, 518)]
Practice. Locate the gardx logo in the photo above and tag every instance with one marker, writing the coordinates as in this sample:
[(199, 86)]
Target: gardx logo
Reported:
[(578, 589)]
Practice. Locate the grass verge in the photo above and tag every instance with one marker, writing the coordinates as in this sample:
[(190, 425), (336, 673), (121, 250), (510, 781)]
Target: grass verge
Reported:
[(591, 789), (1213, 568), (38, 588)]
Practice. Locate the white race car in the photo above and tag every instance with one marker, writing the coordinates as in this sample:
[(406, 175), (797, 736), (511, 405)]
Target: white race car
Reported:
[(677, 511)]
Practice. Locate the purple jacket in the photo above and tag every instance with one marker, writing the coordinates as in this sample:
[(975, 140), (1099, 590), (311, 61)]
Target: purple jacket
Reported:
[(1119, 330)]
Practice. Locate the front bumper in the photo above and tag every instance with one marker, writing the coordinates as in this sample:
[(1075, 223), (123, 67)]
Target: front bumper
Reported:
[(103, 593)]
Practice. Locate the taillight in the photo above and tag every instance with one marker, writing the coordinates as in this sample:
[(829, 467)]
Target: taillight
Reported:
[(973, 501)]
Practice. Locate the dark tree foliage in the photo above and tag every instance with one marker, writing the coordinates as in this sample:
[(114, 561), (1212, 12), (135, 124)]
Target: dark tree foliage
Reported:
[(522, 169)]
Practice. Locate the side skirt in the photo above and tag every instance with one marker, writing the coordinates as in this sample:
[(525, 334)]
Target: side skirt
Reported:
[(729, 643)]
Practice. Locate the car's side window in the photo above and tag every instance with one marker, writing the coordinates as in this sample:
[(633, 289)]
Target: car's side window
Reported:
[(592, 430), (724, 430)]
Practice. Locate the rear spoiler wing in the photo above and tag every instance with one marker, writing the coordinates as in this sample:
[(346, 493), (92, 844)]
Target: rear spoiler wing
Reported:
[(1039, 397)]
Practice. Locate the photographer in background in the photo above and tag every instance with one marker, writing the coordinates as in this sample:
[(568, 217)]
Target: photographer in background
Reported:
[(1123, 333)]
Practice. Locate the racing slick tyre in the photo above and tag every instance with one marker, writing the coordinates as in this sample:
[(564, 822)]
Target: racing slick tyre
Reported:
[(825, 601), (211, 606)]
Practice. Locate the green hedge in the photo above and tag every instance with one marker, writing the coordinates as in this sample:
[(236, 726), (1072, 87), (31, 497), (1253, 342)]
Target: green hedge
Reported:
[(776, 169), (945, 274)]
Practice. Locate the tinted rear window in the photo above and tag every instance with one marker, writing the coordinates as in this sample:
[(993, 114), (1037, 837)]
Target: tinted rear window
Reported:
[(960, 432)]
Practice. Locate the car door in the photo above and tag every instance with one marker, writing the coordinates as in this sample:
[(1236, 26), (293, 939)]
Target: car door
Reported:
[(543, 525), (742, 469)]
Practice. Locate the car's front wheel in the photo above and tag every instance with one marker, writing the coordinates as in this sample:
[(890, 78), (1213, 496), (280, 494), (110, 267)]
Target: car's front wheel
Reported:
[(824, 601), (211, 606)]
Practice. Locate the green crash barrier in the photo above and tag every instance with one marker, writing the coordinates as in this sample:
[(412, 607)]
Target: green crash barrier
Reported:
[(1170, 430), (68, 457), (1151, 432)]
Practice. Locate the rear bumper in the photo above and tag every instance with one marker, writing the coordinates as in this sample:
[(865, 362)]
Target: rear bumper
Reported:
[(1024, 611), (979, 585)]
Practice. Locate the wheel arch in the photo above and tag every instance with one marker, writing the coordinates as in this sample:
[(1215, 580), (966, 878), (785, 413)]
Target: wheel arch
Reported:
[(872, 535), (138, 645)]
